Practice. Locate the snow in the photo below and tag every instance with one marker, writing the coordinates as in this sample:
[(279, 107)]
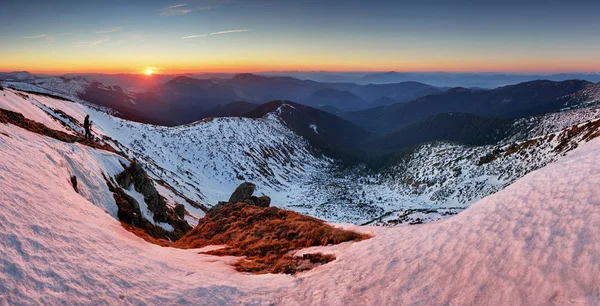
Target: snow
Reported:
[(534, 243), (13, 101), (63, 160), (314, 128)]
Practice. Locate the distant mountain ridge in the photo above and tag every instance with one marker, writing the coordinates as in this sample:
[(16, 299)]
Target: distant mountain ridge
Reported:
[(184, 99), (483, 80), (514, 101)]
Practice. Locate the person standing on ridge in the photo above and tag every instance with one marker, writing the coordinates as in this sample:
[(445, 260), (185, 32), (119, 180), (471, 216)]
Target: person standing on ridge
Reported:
[(86, 127)]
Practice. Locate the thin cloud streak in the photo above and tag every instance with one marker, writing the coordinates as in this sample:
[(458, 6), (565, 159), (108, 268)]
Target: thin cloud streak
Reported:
[(109, 30), (217, 33), (174, 10), (174, 6)]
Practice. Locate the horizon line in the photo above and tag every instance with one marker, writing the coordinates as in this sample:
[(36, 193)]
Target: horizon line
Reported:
[(307, 71)]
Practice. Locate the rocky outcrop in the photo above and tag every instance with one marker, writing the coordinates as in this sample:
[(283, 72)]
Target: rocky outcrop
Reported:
[(243, 194), (129, 209), (136, 175)]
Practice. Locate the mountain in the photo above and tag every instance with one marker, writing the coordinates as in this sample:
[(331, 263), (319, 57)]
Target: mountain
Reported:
[(141, 107), (467, 129), (183, 99), (187, 98), (130, 82), (335, 98), (16, 76), (327, 133), (233, 109), (525, 99), (263, 89), (383, 101), (470, 80), (399, 92), (385, 77)]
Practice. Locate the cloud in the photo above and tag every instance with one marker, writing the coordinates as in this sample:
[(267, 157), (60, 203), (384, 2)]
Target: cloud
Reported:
[(216, 33), (174, 10), (108, 30), (91, 43), (45, 37), (36, 36), (195, 36), (230, 31), (174, 6)]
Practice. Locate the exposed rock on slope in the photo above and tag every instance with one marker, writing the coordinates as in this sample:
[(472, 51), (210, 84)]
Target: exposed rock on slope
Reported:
[(129, 208)]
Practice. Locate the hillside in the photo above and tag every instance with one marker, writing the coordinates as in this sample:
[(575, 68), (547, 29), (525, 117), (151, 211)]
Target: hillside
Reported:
[(334, 98), (327, 133), (515, 101), (462, 128)]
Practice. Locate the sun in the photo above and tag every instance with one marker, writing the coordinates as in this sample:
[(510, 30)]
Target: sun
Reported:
[(148, 72)]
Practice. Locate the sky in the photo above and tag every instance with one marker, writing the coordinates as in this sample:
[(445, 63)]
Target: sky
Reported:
[(541, 36)]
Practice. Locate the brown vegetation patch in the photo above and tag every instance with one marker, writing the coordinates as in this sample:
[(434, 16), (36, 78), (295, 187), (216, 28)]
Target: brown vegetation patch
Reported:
[(567, 140), (586, 132), (144, 235), (19, 120), (267, 236)]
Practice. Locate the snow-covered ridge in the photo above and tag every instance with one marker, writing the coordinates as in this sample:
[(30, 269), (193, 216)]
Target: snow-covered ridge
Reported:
[(206, 160)]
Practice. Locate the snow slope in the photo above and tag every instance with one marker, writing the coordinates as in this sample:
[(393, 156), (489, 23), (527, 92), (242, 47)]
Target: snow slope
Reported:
[(534, 243), (23, 103), (208, 159), (58, 248)]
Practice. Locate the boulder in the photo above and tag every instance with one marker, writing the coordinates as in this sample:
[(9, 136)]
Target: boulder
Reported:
[(243, 192)]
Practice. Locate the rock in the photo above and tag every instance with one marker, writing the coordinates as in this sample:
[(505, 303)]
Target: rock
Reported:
[(136, 175), (217, 207), (179, 211), (243, 192), (263, 201), (74, 183)]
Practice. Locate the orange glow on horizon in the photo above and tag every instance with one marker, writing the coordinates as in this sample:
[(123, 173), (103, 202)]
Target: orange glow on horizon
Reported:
[(434, 65)]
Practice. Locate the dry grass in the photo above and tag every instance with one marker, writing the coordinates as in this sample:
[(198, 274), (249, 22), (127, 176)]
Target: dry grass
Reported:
[(266, 237), (19, 120), (144, 235)]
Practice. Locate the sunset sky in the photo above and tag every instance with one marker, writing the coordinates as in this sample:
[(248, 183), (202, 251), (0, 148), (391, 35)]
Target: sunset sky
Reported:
[(241, 36)]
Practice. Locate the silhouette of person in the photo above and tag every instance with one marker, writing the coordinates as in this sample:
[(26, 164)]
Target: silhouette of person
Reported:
[(87, 127)]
